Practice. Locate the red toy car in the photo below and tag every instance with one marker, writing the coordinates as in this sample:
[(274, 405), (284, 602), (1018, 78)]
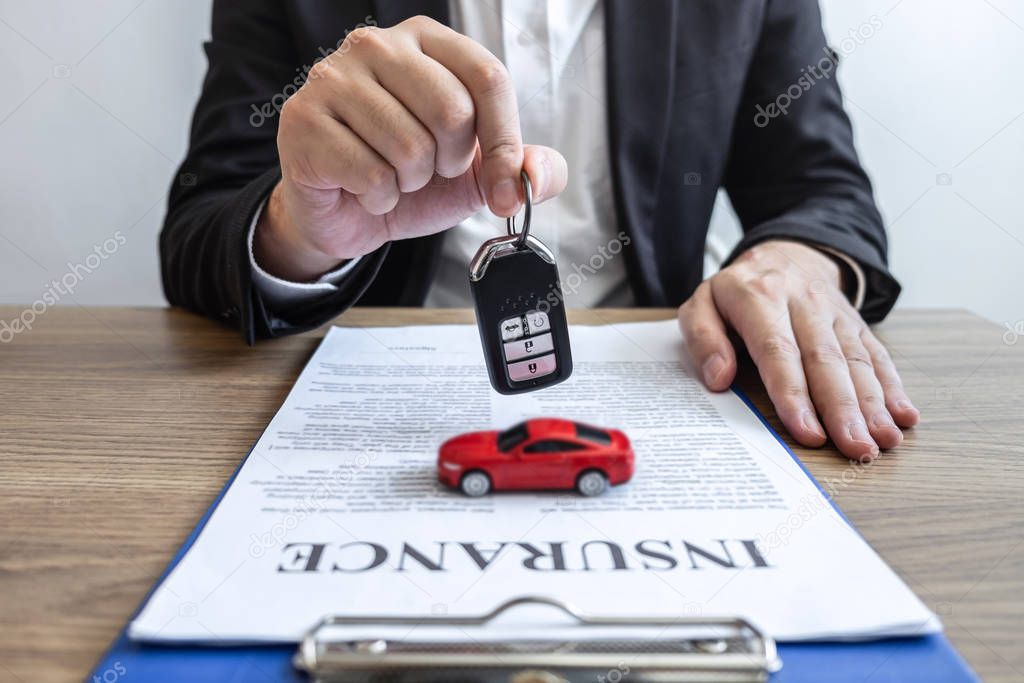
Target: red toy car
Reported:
[(537, 454)]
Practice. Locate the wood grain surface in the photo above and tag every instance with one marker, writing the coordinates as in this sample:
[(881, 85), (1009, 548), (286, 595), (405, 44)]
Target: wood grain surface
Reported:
[(119, 426)]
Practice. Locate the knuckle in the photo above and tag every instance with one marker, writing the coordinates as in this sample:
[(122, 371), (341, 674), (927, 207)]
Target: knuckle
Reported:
[(751, 255), (854, 327), (491, 75), (731, 277), (296, 110), (826, 354), (326, 79), (858, 358), (778, 347), (687, 312), (416, 165), (419, 22), (301, 168), (846, 403), (703, 332), (366, 38), (454, 115), (703, 290), (768, 283), (871, 400), (686, 309), (504, 152), (817, 295), (794, 393), (379, 175), (420, 150), (321, 70)]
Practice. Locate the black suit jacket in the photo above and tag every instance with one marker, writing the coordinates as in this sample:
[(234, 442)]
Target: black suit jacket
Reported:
[(684, 80)]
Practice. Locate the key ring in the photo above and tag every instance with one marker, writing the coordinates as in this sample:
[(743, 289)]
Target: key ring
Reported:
[(510, 222)]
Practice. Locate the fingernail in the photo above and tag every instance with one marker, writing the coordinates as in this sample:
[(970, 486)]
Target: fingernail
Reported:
[(505, 195), (539, 178), (859, 433), (713, 368), (882, 420), (811, 423), (904, 404)]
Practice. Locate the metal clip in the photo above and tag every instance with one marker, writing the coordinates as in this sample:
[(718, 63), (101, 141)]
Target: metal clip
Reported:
[(737, 651), (496, 246)]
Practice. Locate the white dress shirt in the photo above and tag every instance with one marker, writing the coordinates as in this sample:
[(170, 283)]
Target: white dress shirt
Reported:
[(555, 53)]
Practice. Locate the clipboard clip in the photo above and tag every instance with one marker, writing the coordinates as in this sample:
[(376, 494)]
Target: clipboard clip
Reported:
[(719, 650)]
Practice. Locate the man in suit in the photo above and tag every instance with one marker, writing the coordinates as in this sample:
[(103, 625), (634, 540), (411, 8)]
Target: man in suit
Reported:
[(351, 152)]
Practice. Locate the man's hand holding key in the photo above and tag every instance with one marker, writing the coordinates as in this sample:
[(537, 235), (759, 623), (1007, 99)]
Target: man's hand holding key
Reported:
[(360, 144)]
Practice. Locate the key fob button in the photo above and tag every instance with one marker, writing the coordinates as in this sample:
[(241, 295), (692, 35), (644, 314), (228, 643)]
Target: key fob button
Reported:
[(512, 328), (537, 322), (534, 346), (532, 368)]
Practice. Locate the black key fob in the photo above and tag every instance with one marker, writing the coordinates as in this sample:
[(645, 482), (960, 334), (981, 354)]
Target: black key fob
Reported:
[(520, 311)]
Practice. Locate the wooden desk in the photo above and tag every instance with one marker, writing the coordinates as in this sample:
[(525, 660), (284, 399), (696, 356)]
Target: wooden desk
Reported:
[(119, 426)]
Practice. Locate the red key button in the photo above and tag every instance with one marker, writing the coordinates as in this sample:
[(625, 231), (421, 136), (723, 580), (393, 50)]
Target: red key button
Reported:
[(531, 368)]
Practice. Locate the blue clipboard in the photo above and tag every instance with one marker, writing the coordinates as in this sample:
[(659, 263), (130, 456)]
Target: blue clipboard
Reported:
[(925, 659)]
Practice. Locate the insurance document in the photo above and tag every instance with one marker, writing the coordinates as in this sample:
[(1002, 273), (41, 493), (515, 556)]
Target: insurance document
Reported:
[(338, 508)]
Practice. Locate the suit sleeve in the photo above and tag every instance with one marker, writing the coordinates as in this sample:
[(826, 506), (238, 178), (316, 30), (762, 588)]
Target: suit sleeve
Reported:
[(230, 169), (794, 174)]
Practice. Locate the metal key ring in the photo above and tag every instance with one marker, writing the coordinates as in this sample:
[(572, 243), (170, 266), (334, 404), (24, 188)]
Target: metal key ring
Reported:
[(510, 222)]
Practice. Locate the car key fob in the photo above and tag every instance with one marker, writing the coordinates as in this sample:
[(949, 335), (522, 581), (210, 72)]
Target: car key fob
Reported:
[(520, 311)]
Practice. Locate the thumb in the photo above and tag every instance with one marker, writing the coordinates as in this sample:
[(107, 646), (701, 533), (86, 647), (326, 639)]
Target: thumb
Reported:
[(706, 339), (444, 202), (548, 173), (547, 170)]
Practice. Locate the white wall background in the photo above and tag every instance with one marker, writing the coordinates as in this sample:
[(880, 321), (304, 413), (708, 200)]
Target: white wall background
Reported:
[(96, 97)]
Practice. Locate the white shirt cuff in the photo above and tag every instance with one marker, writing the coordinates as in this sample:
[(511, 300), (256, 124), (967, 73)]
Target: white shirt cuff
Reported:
[(280, 294), (859, 291)]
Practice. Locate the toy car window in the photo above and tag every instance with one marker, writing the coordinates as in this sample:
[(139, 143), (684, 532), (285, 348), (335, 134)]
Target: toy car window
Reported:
[(553, 446), (512, 437), (588, 433)]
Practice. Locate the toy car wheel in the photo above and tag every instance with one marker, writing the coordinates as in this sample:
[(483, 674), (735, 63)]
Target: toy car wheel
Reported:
[(592, 483), (475, 484)]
